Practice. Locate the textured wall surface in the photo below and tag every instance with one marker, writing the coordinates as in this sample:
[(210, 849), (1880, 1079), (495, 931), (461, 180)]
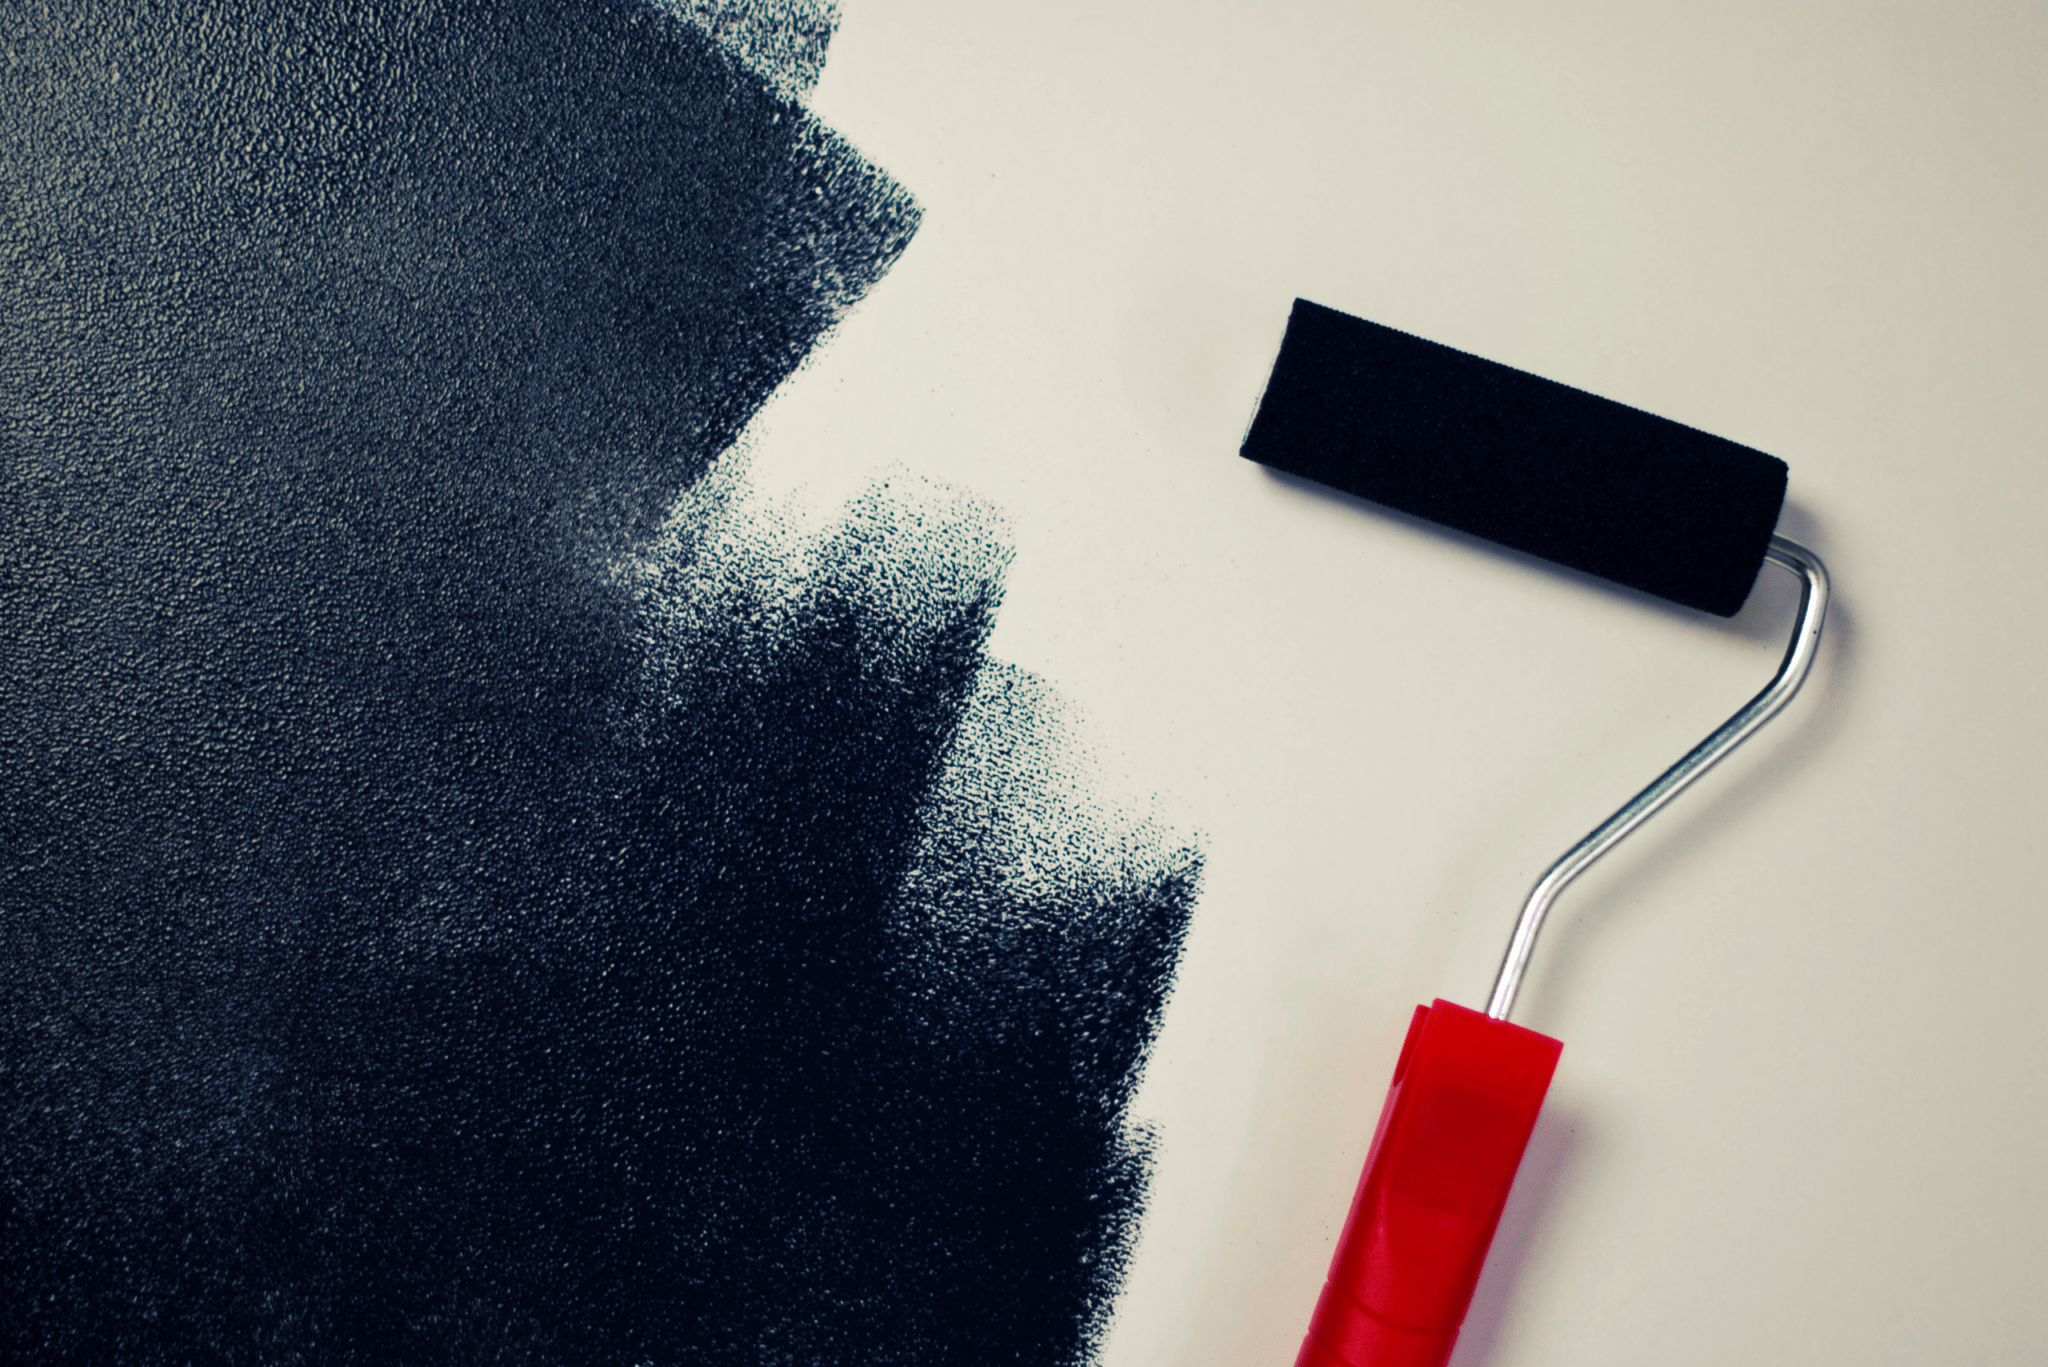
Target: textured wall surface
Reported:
[(467, 894)]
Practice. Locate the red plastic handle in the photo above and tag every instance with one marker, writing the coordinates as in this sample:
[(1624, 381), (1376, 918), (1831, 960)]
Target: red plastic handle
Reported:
[(1464, 1099)]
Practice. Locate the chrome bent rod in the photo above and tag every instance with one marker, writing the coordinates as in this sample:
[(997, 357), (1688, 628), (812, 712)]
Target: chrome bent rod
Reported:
[(1813, 606)]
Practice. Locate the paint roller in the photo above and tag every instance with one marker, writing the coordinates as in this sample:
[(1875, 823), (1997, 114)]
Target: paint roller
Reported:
[(1587, 483)]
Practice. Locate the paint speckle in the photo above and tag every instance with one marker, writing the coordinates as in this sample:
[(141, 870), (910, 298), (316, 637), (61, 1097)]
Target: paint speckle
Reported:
[(781, 41)]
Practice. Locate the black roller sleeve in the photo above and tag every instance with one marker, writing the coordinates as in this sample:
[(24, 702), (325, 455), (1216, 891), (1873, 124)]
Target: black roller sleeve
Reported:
[(1526, 462)]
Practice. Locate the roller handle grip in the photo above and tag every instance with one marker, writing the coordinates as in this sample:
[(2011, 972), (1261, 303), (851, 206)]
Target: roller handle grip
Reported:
[(1464, 1099)]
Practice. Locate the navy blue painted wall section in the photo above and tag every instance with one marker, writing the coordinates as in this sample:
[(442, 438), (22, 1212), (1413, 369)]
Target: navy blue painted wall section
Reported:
[(395, 966)]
